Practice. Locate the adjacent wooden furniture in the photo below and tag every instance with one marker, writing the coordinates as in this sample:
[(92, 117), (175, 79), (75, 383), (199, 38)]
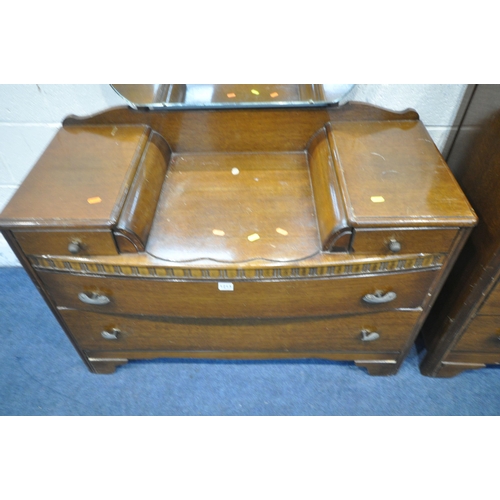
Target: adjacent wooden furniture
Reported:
[(463, 329), (313, 232)]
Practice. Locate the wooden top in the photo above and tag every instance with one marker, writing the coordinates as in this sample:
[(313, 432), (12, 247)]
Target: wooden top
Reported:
[(80, 180), (235, 208), (240, 185), (391, 174)]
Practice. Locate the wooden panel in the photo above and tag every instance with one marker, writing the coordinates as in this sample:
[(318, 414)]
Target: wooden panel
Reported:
[(391, 173), (140, 206), (368, 241), (482, 335), (492, 304), (80, 180), (208, 130), (57, 242), (248, 299), (234, 208), (299, 335), (388, 357)]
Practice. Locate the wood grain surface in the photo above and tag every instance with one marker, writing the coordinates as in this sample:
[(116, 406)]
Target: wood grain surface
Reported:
[(248, 299), (80, 180), (392, 174), (287, 335)]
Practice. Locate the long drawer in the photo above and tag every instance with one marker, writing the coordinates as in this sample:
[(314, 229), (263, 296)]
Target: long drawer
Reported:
[(381, 332), (257, 299)]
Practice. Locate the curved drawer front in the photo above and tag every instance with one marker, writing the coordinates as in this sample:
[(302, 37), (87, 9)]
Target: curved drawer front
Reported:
[(240, 299), (382, 332)]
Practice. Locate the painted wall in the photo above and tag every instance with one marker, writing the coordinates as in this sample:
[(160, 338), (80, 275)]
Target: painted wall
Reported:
[(30, 116)]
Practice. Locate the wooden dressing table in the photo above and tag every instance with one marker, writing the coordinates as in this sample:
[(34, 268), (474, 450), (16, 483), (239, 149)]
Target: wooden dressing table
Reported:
[(246, 233)]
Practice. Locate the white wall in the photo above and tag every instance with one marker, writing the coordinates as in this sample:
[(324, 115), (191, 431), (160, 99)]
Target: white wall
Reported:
[(30, 116), (437, 105)]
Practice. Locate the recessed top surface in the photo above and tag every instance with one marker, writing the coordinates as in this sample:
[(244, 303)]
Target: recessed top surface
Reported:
[(235, 208)]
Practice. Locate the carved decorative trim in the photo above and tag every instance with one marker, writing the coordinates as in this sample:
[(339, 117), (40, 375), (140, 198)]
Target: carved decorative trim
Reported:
[(383, 266)]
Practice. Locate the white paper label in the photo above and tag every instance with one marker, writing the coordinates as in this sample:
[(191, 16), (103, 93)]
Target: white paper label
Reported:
[(226, 287)]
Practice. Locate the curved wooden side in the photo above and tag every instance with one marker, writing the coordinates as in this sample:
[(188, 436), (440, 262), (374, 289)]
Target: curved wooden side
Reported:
[(335, 232), (132, 230)]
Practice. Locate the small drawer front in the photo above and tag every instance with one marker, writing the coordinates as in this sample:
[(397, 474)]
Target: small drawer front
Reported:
[(406, 241), (382, 332), (76, 243), (492, 303), (258, 299), (482, 335)]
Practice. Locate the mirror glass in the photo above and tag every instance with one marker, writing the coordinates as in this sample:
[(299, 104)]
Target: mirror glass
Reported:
[(231, 95)]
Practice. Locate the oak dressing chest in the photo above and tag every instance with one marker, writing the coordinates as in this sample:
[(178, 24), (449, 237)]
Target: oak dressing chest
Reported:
[(243, 233)]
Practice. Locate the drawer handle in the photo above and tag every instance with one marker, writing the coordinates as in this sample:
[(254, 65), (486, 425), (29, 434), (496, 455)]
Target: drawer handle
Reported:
[(394, 246), (367, 336), (114, 334), (379, 297), (74, 247), (93, 298)]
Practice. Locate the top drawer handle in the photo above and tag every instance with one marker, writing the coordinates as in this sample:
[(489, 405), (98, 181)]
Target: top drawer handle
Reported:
[(93, 298), (379, 297)]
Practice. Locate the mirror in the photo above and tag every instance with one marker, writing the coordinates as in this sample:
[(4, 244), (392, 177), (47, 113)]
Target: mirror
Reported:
[(231, 95)]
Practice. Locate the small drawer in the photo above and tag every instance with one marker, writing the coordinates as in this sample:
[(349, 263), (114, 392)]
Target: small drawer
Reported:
[(382, 332), (403, 241), (254, 299), (77, 243), (482, 335)]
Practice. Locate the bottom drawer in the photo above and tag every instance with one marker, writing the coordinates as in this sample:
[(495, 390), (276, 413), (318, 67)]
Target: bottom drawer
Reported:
[(482, 335), (387, 332)]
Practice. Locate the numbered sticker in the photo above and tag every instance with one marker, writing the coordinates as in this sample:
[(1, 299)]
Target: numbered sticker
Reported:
[(226, 287)]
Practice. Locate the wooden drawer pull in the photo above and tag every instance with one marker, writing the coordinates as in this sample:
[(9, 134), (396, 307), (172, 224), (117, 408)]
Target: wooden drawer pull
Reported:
[(114, 334), (379, 297), (93, 298), (367, 336)]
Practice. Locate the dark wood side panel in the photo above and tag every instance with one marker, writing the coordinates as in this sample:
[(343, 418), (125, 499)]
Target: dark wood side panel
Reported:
[(478, 267), (139, 209)]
